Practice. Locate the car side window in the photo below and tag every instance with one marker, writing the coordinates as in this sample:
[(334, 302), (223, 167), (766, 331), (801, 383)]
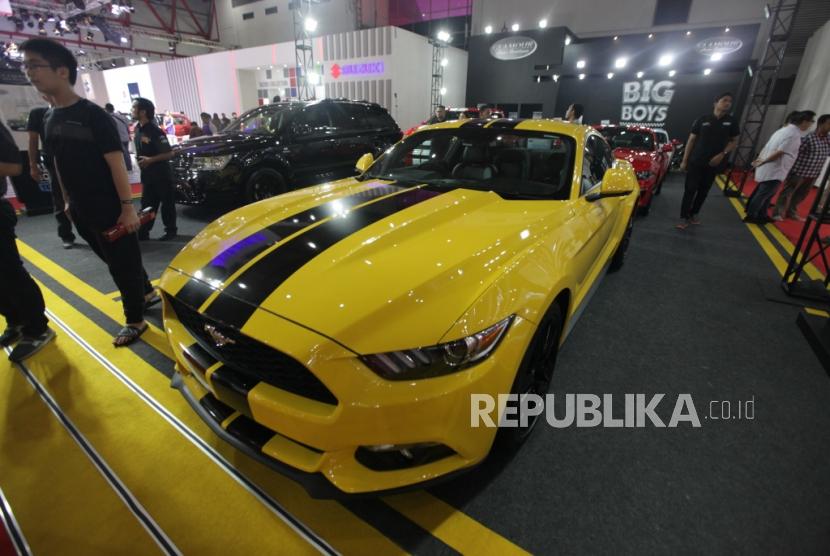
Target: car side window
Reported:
[(313, 121), (596, 160)]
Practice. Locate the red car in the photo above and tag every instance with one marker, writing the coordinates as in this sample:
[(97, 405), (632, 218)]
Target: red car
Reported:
[(640, 146), (181, 125), (456, 113)]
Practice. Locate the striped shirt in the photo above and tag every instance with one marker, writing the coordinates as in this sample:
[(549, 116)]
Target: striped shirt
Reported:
[(814, 151)]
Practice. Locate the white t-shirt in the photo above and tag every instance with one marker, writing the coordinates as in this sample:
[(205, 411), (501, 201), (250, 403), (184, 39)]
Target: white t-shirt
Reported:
[(787, 139)]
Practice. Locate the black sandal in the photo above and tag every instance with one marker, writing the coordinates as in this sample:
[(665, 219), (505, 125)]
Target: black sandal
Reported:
[(130, 333)]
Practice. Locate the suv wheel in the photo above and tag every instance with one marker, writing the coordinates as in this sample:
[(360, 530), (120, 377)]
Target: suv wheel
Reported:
[(262, 184)]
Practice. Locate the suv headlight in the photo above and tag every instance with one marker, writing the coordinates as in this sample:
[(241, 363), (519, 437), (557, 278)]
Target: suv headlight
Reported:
[(644, 175), (438, 360), (210, 162)]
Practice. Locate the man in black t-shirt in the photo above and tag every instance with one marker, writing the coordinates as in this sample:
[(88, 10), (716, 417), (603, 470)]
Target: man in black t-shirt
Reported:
[(152, 149), (711, 140), (35, 127), (89, 165), (21, 301)]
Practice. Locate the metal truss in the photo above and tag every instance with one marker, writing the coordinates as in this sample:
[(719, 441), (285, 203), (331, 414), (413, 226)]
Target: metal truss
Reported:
[(303, 48), (435, 95), (760, 89)]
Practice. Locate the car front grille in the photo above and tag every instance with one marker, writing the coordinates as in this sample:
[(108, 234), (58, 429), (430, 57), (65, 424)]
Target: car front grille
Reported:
[(253, 359)]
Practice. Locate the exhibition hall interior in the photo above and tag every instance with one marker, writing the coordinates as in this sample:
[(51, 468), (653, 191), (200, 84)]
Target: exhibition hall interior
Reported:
[(414, 277)]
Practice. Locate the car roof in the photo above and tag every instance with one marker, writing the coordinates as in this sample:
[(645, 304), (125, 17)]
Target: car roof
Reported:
[(519, 124)]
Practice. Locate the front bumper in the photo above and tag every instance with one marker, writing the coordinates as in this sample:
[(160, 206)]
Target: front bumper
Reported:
[(317, 443), (194, 187)]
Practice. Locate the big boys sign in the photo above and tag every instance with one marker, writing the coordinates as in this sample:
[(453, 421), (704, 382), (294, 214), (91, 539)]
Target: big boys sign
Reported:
[(646, 102)]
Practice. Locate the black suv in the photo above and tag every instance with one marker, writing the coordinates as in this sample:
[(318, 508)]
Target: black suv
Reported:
[(279, 147)]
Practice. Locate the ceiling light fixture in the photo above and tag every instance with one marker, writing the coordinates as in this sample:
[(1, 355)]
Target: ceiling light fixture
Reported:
[(515, 27), (672, 73), (580, 64), (621, 62), (582, 76), (665, 60), (488, 29), (610, 74), (543, 23), (707, 71)]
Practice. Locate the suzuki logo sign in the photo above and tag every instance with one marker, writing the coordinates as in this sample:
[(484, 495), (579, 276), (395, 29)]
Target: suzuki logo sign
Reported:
[(718, 45), (646, 101), (369, 68), (513, 48)]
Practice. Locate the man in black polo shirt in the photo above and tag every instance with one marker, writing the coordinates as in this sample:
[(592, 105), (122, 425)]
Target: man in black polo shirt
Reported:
[(20, 299), (35, 127), (89, 165), (711, 140), (153, 153)]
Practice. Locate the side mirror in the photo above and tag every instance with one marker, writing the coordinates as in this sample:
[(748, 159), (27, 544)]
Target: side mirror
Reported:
[(364, 162), (619, 181), (667, 148)]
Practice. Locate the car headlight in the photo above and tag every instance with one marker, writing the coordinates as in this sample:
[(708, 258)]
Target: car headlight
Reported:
[(439, 360), (210, 162)]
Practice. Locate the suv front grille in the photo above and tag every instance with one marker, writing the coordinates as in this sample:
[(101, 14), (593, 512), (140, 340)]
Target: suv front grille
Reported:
[(253, 359)]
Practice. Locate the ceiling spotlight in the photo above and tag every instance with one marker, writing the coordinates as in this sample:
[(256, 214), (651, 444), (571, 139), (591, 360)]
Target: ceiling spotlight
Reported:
[(672, 73), (651, 35), (640, 74), (580, 64), (443, 36), (112, 63), (610, 75), (567, 40), (616, 38), (310, 25), (555, 77), (515, 27), (444, 62), (81, 52), (57, 31), (132, 61), (144, 59), (621, 62), (41, 30), (688, 33), (443, 91), (726, 30), (582, 76), (171, 46), (488, 29), (90, 35), (543, 23), (124, 40), (665, 60), (707, 71), (716, 56), (83, 67), (767, 12)]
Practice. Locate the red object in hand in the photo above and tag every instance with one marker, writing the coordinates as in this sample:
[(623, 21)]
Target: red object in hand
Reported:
[(118, 231)]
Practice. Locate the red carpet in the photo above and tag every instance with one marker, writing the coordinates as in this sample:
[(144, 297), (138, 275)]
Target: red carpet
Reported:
[(790, 228), (6, 546)]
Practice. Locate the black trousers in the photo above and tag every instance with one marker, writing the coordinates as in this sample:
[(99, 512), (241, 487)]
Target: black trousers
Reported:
[(699, 180), (21, 301), (123, 258), (58, 206), (155, 194)]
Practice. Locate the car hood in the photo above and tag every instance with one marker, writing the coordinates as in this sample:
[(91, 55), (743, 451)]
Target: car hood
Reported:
[(640, 159), (394, 273), (225, 143)]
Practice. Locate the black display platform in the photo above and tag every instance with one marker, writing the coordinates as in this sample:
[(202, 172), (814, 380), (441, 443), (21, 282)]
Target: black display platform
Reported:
[(817, 331)]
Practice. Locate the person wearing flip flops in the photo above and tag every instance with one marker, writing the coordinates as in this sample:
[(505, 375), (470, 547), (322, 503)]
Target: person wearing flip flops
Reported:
[(21, 301), (89, 164)]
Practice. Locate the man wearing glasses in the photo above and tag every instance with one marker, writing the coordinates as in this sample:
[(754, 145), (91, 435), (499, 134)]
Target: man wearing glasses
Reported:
[(774, 163)]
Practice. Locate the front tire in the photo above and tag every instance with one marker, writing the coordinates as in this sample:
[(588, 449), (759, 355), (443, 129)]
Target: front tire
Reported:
[(618, 259), (263, 184), (534, 375)]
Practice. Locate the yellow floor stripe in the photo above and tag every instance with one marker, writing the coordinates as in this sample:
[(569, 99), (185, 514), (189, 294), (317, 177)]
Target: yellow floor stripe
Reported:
[(463, 526), (62, 503), (150, 445), (113, 309), (817, 312), (454, 528), (773, 253)]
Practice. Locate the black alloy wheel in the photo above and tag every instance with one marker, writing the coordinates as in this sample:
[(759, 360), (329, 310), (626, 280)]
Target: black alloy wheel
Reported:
[(263, 184), (534, 375), (619, 255)]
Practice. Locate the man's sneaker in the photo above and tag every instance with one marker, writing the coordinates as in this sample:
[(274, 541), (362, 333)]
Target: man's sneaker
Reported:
[(29, 346), (68, 243), (168, 236), (694, 220), (778, 218), (10, 335)]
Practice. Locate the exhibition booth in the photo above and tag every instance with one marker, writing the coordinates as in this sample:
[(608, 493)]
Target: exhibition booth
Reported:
[(386, 65)]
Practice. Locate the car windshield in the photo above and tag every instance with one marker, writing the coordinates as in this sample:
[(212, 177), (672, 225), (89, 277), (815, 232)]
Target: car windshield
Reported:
[(629, 138), (513, 164), (259, 122)]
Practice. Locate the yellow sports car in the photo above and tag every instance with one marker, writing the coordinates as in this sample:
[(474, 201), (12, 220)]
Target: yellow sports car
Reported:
[(338, 333)]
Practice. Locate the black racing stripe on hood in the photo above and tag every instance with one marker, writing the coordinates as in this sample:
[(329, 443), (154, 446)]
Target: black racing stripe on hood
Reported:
[(235, 305), (234, 257), (478, 122)]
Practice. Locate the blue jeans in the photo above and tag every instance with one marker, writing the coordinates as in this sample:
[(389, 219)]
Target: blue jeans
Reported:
[(756, 208)]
